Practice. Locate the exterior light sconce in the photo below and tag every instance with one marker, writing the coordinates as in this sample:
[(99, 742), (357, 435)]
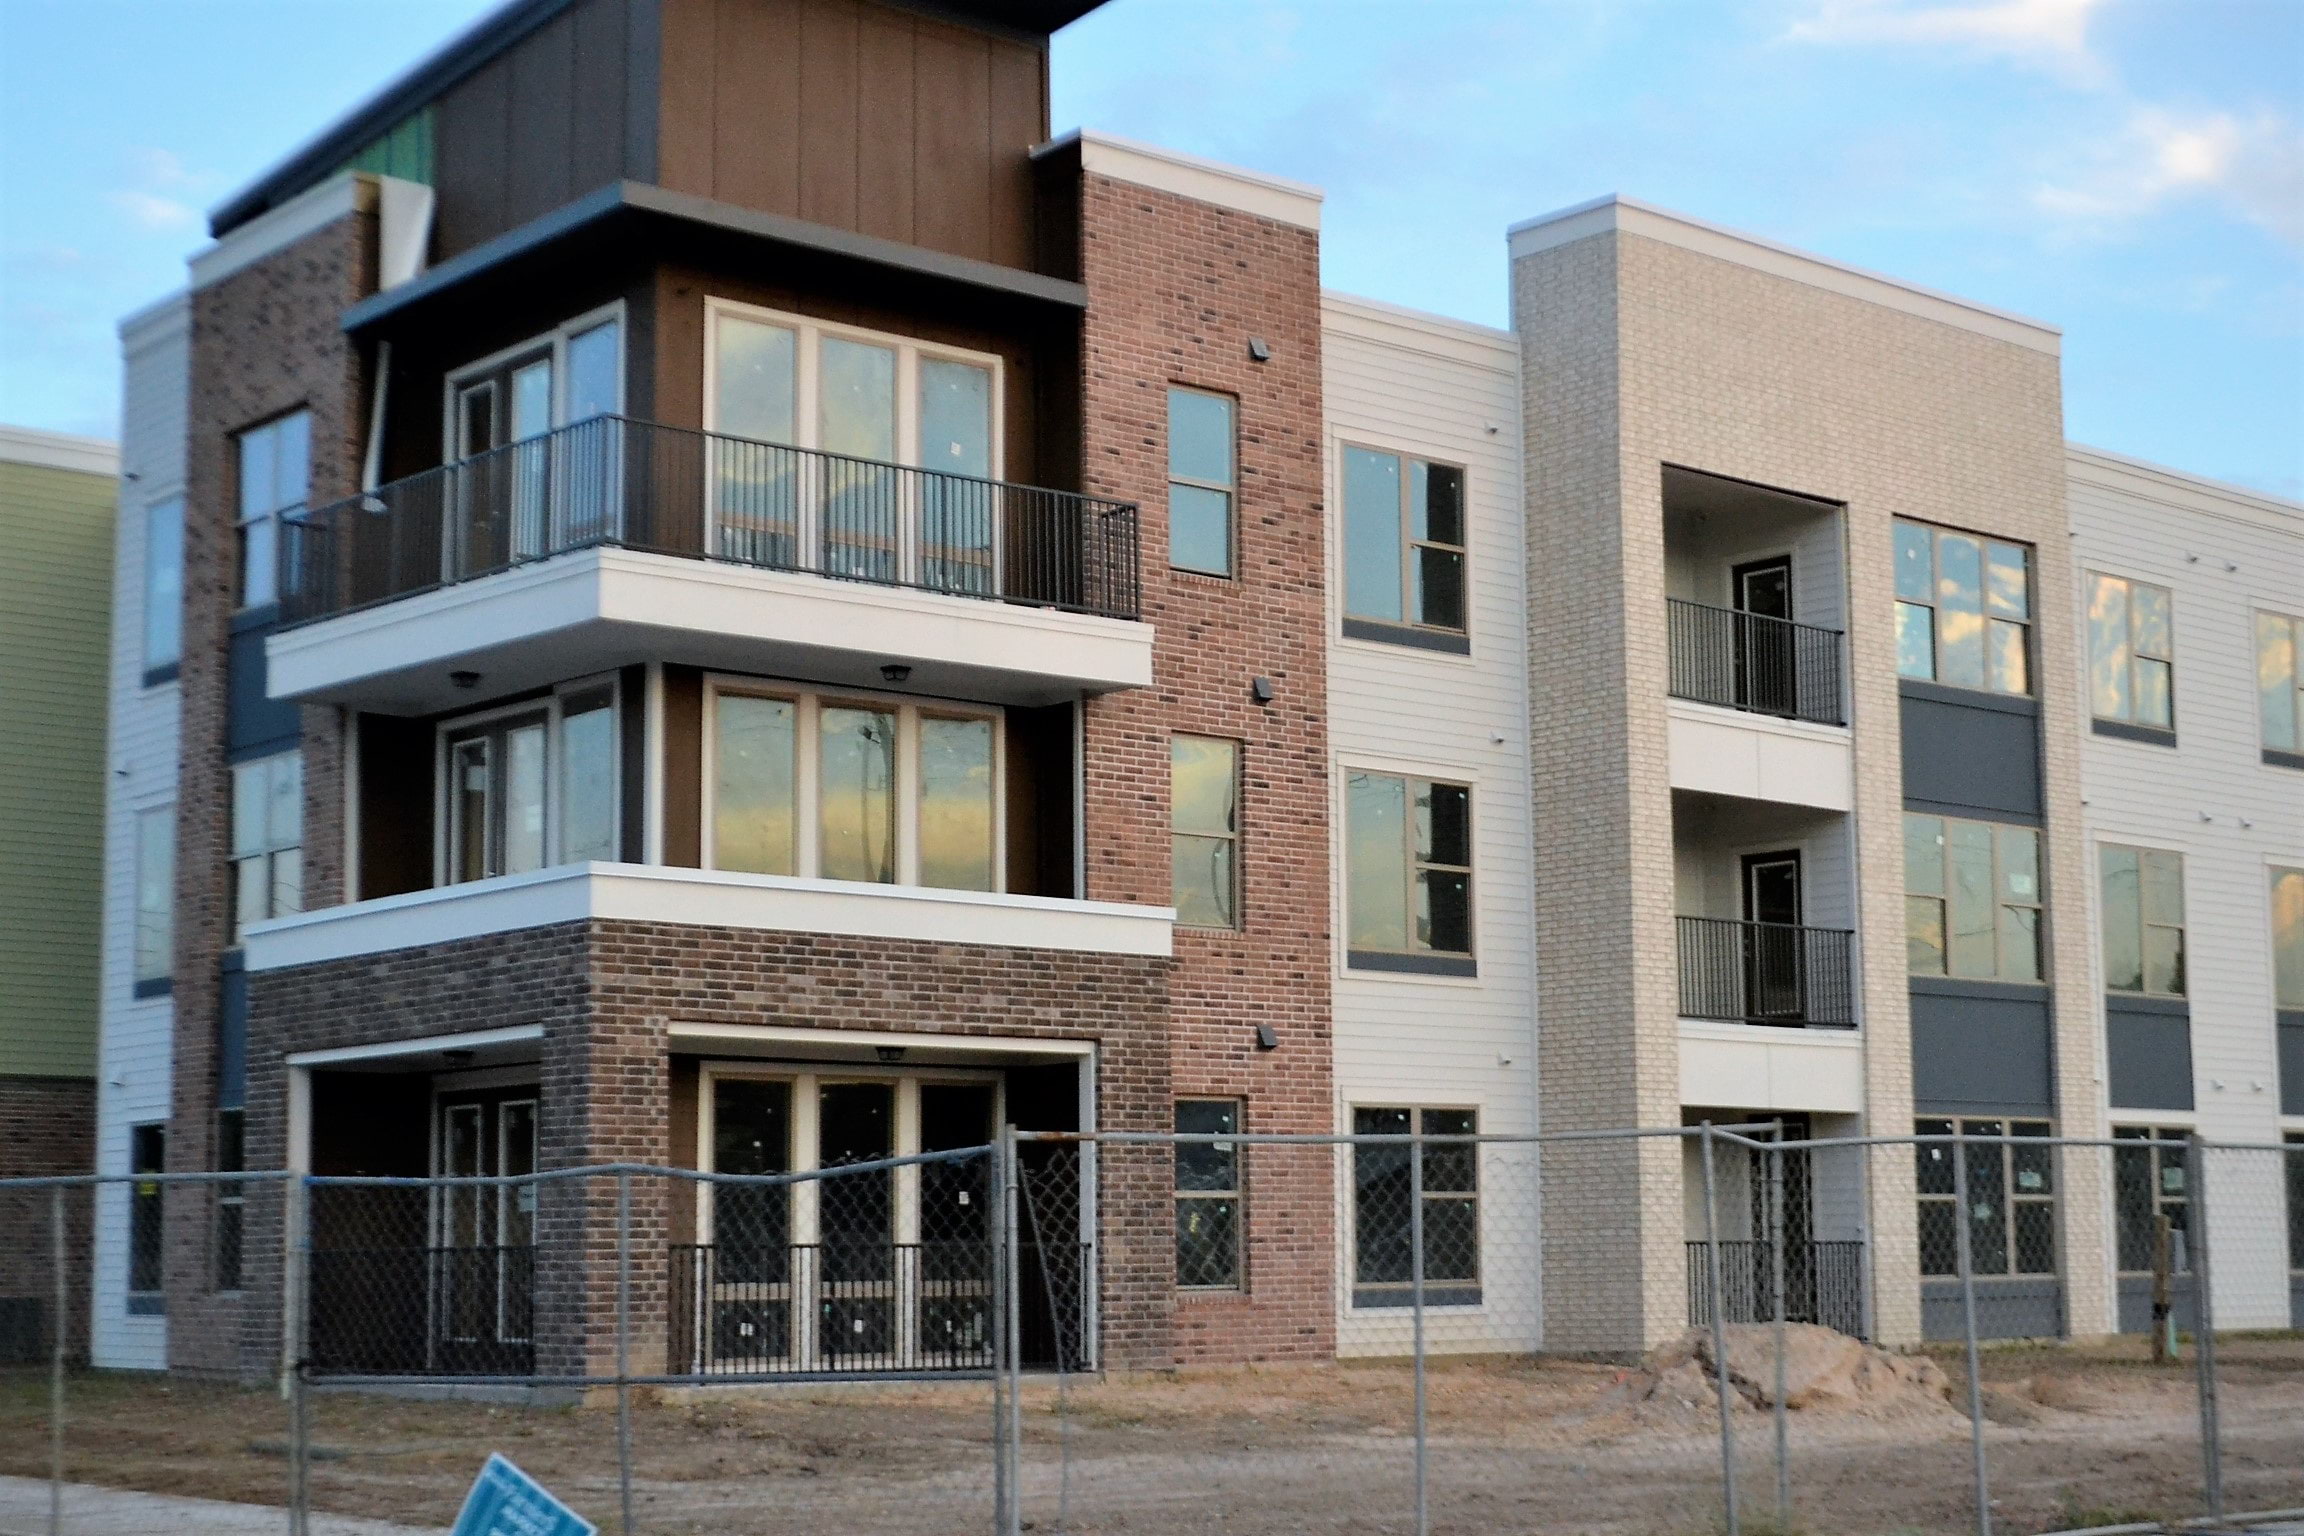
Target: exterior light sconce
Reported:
[(1259, 350), (458, 1058), (1267, 1038), (895, 672), (465, 680), (889, 1053), (1263, 690)]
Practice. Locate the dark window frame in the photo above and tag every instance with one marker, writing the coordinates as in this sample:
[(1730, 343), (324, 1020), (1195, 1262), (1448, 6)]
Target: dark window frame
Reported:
[(1411, 628), (1381, 1160), (1990, 1255), (1202, 1160)]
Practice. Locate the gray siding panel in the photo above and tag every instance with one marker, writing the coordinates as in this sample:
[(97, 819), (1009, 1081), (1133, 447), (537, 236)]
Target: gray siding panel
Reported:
[(255, 720), (2136, 1303), (1980, 1048), (2148, 1052), (1970, 751), (2028, 1308)]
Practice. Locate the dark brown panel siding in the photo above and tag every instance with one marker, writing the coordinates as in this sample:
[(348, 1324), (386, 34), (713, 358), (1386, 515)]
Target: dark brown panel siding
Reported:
[(396, 774), (683, 767)]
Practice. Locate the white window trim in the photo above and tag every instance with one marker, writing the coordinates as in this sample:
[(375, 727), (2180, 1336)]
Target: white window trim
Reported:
[(557, 339), (1230, 488), (1341, 874), (2089, 578), (1368, 443), (810, 700), (552, 709), (241, 521)]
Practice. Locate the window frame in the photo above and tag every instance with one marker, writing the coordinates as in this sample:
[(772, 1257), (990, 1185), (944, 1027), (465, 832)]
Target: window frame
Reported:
[(245, 590), (1933, 606), (1230, 836), (554, 342), (1454, 1293), (2001, 904), (809, 701), (2151, 1140), (158, 595), (2144, 922), (147, 1255), (1407, 630), (2009, 1193), (2285, 883), (271, 850), (2293, 1142), (229, 1254), (1413, 962), (1229, 489), (1234, 1195), (2263, 623), (154, 928), (2127, 721), (553, 711)]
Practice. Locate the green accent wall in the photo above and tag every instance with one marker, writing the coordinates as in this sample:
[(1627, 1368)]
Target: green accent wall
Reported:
[(405, 152), (55, 633)]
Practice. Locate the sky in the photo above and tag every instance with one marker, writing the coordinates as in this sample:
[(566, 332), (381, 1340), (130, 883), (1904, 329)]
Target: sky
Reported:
[(2131, 171)]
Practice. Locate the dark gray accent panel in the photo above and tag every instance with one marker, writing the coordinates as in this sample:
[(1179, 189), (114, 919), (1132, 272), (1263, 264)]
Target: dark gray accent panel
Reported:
[(232, 1036), (2291, 1032), (252, 720), (1981, 1047), (2296, 1301), (1419, 965), (1408, 635), (2148, 1052), (2029, 1307), (2279, 759), (2121, 730), (1971, 751), (154, 986), (2135, 1304)]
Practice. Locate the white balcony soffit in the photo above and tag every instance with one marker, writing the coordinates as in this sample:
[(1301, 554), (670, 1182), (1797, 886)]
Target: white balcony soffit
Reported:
[(594, 609), (705, 898), (1760, 757), (1757, 1066)]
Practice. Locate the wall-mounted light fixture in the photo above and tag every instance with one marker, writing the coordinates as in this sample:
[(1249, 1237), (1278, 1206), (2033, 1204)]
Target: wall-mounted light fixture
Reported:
[(1267, 1038), (1263, 690), (465, 680), (889, 1053), (895, 672), (1259, 350)]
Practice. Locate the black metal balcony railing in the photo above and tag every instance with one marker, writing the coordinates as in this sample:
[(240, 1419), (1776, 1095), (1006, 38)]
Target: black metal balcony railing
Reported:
[(638, 485), (1751, 662), (1766, 973), (1823, 1283)]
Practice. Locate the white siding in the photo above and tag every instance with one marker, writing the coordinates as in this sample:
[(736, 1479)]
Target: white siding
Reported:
[(1449, 391), (134, 1056), (2224, 553)]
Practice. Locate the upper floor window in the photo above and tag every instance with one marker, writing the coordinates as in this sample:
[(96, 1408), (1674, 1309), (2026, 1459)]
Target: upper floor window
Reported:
[(2288, 938), (2280, 686), (2131, 650), (2143, 903), (267, 839), (1203, 472), (1971, 899), (531, 785), (275, 477), (1963, 609), (155, 941), (163, 585), (1407, 873), (1204, 811), (1403, 545), (855, 788)]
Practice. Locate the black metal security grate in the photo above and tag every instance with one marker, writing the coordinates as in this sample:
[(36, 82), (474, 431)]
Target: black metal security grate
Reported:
[(1823, 1284), (1766, 973), (1752, 662)]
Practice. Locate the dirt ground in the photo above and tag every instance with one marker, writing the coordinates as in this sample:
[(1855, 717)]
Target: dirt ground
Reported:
[(1537, 1447)]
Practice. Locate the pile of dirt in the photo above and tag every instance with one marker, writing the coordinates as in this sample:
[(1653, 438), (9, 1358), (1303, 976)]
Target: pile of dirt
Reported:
[(1825, 1372)]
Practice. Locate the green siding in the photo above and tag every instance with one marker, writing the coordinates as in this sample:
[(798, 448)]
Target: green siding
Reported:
[(55, 633), (405, 152)]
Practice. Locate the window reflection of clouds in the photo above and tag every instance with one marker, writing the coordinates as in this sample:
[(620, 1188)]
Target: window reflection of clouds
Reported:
[(956, 803), (753, 800), (856, 799)]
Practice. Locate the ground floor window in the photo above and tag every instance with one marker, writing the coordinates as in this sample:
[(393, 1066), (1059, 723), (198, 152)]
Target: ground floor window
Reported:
[(1383, 1252), (2151, 1178), (1208, 1196), (231, 1199), (2295, 1143), (2011, 1199), (147, 1153)]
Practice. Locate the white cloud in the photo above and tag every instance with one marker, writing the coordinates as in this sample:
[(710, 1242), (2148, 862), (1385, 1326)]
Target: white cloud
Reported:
[(2050, 32), (2252, 166), (160, 191), (149, 210)]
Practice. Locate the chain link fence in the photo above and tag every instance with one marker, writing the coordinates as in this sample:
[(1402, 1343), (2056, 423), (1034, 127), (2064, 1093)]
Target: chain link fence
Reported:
[(1446, 1331)]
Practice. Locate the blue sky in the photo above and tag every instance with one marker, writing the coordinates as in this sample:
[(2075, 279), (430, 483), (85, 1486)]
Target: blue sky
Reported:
[(2131, 170)]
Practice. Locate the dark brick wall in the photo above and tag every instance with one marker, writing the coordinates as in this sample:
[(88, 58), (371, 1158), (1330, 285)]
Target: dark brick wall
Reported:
[(1175, 290), (47, 1127)]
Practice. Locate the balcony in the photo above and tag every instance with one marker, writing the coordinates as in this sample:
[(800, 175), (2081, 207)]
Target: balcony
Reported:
[(1766, 973), (1754, 663), (613, 541)]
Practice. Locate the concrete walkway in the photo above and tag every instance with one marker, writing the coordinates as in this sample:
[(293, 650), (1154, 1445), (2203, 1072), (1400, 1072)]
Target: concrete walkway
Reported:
[(112, 1512)]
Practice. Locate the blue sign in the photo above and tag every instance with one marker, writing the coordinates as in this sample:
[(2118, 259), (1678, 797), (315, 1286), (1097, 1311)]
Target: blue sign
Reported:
[(506, 1501)]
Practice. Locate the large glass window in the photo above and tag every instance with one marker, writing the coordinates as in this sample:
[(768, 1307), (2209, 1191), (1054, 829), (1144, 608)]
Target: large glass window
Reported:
[(2280, 683), (2143, 904), (2288, 938), (2011, 1199), (1963, 609), (275, 475), (532, 786), (267, 839), (1971, 899), (1202, 476), (155, 943), (1208, 1196), (895, 793), (2151, 1179), (1383, 1206), (147, 1153), (1408, 872), (1204, 810), (163, 584), (2131, 651), (1403, 541)]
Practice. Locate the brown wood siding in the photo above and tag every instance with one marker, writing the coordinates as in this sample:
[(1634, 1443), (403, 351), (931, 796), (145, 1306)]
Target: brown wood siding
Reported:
[(396, 810), (1041, 813), (855, 115), (683, 767), (570, 108)]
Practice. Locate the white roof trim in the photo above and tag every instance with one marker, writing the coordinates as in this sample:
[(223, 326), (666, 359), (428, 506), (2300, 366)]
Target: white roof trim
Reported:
[(1396, 324), (59, 450), (1206, 181), (161, 320), (1630, 216), (421, 1045), (2105, 461), (304, 214)]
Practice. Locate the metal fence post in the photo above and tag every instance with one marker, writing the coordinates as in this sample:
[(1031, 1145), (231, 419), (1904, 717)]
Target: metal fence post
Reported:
[(623, 1349), (2204, 1332), (1001, 1493), (1719, 1339), (296, 1301), (1011, 1302), (1416, 1308), (1776, 1239), (1962, 1248), (58, 1327)]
